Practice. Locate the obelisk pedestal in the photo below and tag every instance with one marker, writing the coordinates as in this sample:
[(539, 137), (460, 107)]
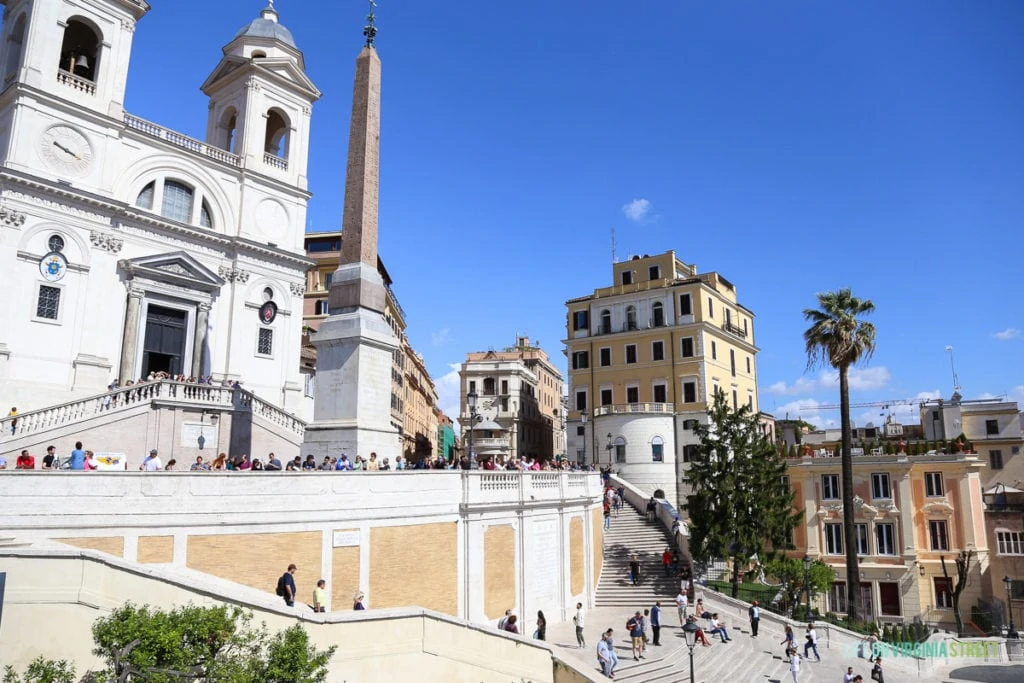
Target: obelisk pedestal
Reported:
[(355, 346)]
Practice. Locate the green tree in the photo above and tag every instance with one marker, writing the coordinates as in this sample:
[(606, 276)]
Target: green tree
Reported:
[(42, 671), (742, 503), (837, 337), (291, 657), (789, 571), (963, 570)]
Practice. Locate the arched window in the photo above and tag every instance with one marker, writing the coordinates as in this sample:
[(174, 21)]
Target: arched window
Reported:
[(204, 216), (657, 449), (80, 51), (258, 54), (15, 41), (145, 198), (658, 314), (177, 203), (620, 450), (606, 322), (278, 128), (630, 317), (228, 129)]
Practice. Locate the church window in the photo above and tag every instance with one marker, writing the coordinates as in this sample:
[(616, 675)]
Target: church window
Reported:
[(265, 342), (15, 40), (177, 203), (204, 216), (228, 129), (258, 54), (278, 128), (80, 50), (55, 243), (48, 303), (145, 198)]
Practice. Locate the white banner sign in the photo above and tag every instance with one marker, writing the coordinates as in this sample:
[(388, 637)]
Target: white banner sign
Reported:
[(191, 431), (346, 538)]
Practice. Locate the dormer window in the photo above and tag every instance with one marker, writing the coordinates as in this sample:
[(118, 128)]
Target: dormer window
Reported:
[(177, 202), (79, 55)]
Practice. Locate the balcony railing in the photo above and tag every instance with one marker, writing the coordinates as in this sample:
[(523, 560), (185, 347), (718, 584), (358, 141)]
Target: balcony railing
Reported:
[(275, 161), (183, 141), (732, 329), (76, 82), (488, 444), (633, 408)]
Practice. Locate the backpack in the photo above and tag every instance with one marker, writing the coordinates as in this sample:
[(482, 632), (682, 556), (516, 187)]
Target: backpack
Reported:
[(280, 586), (631, 624)]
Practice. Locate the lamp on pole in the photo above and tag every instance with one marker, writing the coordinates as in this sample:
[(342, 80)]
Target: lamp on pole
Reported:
[(583, 418), (471, 402), (690, 631), (807, 584), (1008, 582), (609, 449)]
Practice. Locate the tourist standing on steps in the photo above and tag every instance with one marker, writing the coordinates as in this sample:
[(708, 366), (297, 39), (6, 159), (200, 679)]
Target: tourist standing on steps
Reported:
[(577, 621), (542, 626), (634, 570), (812, 642), (635, 626), (645, 621), (607, 517), (755, 618), (656, 623), (682, 602), (606, 656), (794, 664)]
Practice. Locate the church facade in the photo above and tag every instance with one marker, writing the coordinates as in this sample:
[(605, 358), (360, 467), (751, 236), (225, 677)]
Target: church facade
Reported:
[(128, 249)]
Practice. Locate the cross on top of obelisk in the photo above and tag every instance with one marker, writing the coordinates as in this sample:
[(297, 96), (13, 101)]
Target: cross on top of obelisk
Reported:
[(370, 30)]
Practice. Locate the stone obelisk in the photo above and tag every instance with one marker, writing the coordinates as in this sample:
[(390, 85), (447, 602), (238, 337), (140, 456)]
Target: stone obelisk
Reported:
[(355, 345)]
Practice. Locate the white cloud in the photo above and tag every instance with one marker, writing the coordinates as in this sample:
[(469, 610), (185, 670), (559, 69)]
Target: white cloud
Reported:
[(860, 380), (441, 337), (448, 396), (1007, 334), (637, 210)]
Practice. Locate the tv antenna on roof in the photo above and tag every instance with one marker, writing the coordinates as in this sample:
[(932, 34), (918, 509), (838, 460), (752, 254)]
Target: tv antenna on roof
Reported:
[(952, 366), (613, 246)]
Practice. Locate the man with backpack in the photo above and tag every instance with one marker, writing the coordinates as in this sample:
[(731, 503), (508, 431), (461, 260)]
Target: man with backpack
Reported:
[(635, 626), (286, 586)]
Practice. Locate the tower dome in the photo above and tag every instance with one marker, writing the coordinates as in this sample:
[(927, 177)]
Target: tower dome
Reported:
[(267, 26)]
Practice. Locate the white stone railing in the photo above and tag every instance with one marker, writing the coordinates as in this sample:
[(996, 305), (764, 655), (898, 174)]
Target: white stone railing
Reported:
[(179, 140), (490, 443), (202, 395), (76, 82), (626, 408), (485, 487), (275, 161)]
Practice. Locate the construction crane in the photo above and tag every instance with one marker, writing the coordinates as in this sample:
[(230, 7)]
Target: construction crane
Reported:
[(869, 404)]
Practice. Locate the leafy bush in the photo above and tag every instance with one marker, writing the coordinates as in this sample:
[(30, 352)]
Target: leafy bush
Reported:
[(42, 671)]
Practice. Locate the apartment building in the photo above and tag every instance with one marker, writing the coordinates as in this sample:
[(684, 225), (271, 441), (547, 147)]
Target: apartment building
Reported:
[(413, 394), (646, 355), (912, 512), (1003, 592), (993, 428), (519, 402)]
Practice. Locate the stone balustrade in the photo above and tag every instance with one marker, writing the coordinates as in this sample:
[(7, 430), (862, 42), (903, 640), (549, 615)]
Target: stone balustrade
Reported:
[(180, 140)]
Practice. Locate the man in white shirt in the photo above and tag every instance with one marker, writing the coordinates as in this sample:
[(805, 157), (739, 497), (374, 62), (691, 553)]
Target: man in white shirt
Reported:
[(577, 621), (682, 602), (848, 676), (812, 642), (151, 463)]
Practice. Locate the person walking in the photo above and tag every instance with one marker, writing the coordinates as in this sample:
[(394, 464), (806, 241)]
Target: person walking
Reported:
[(542, 626), (635, 626), (790, 640), (812, 642), (286, 586), (320, 596), (634, 570), (794, 664), (607, 518), (645, 621), (656, 623), (755, 618), (682, 602), (876, 673), (666, 560), (606, 656), (504, 620), (577, 621)]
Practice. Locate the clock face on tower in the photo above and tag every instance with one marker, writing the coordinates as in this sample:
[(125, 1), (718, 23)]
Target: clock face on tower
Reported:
[(65, 151)]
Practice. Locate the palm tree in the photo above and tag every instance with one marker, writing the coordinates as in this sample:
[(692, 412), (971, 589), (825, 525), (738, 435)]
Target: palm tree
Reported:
[(837, 337)]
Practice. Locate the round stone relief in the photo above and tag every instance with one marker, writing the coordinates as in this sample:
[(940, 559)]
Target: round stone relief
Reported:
[(272, 219)]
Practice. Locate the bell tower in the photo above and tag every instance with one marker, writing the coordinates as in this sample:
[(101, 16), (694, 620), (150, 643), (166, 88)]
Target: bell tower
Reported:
[(261, 100), (77, 52)]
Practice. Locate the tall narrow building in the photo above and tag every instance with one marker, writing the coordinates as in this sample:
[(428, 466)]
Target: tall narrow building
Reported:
[(355, 345), (646, 355)]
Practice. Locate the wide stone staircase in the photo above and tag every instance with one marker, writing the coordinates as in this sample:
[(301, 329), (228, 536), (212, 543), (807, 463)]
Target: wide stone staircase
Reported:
[(631, 533)]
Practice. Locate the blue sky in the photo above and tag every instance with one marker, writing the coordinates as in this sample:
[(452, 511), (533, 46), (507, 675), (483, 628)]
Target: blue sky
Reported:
[(793, 147)]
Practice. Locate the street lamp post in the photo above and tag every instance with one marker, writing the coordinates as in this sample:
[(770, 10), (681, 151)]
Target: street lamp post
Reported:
[(690, 631), (609, 449), (1008, 582), (471, 402), (807, 585)]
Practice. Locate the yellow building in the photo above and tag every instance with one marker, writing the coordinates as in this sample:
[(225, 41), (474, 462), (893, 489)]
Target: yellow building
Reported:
[(912, 512), (413, 394), (645, 358), (992, 426)]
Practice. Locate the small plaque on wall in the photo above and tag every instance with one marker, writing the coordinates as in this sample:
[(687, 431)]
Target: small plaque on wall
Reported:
[(346, 538), (192, 432)]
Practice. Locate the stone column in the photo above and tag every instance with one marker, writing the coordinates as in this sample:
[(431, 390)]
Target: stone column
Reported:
[(130, 343), (199, 341)]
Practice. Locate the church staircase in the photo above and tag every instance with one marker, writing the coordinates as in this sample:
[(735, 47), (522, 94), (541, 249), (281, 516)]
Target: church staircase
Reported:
[(631, 533)]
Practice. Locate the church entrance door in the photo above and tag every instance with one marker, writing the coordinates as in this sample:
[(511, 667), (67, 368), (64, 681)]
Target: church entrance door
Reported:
[(164, 345)]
